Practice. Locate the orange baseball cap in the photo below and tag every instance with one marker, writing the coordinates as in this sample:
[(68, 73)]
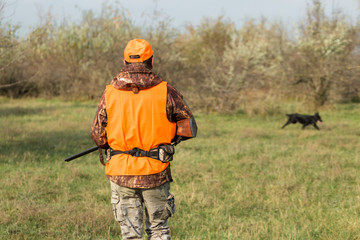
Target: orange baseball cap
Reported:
[(137, 50)]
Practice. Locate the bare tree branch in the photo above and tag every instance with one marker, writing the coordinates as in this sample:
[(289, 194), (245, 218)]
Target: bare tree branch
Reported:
[(12, 84), (9, 85)]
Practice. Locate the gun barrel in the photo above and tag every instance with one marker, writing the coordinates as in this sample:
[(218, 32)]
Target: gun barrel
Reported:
[(82, 153)]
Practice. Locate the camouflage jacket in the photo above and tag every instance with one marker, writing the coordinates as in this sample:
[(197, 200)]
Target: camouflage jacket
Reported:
[(135, 77)]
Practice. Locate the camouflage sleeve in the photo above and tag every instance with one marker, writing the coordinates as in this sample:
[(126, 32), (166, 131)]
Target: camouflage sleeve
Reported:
[(176, 108), (179, 112), (98, 129)]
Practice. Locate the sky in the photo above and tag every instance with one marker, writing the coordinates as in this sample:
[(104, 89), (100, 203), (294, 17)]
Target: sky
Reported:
[(180, 12)]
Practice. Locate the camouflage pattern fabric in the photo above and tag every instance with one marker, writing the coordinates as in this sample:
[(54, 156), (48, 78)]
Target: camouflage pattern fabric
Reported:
[(128, 207), (143, 181)]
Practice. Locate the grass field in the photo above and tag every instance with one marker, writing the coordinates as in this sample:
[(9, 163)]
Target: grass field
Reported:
[(241, 178)]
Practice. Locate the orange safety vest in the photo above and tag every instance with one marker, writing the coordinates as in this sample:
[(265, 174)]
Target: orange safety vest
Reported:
[(137, 120)]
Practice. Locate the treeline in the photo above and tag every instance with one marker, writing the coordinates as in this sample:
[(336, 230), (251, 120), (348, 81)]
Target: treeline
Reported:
[(216, 65)]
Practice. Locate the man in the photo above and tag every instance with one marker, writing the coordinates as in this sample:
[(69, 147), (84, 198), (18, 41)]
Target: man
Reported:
[(139, 119)]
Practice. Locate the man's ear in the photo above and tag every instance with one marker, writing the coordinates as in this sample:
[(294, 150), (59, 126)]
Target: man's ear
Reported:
[(124, 62)]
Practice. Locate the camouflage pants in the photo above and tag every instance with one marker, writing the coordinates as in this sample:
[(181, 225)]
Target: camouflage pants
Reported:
[(128, 207)]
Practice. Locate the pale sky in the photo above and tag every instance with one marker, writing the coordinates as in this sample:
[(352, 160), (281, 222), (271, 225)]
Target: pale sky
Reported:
[(26, 12)]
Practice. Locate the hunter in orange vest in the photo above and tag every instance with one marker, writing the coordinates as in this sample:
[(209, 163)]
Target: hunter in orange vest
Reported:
[(139, 119)]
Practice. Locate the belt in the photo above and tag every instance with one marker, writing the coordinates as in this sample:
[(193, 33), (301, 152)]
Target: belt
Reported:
[(163, 153), (136, 152)]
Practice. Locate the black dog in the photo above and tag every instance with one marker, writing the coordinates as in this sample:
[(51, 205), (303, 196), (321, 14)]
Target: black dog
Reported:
[(304, 119)]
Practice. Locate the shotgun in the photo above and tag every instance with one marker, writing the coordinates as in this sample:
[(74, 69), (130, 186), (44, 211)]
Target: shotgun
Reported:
[(93, 149)]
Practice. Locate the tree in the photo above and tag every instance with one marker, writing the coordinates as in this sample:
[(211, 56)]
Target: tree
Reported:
[(10, 53), (322, 53)]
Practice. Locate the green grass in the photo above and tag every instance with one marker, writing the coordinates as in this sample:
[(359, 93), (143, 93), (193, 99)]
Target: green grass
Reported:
[(241, 178)]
